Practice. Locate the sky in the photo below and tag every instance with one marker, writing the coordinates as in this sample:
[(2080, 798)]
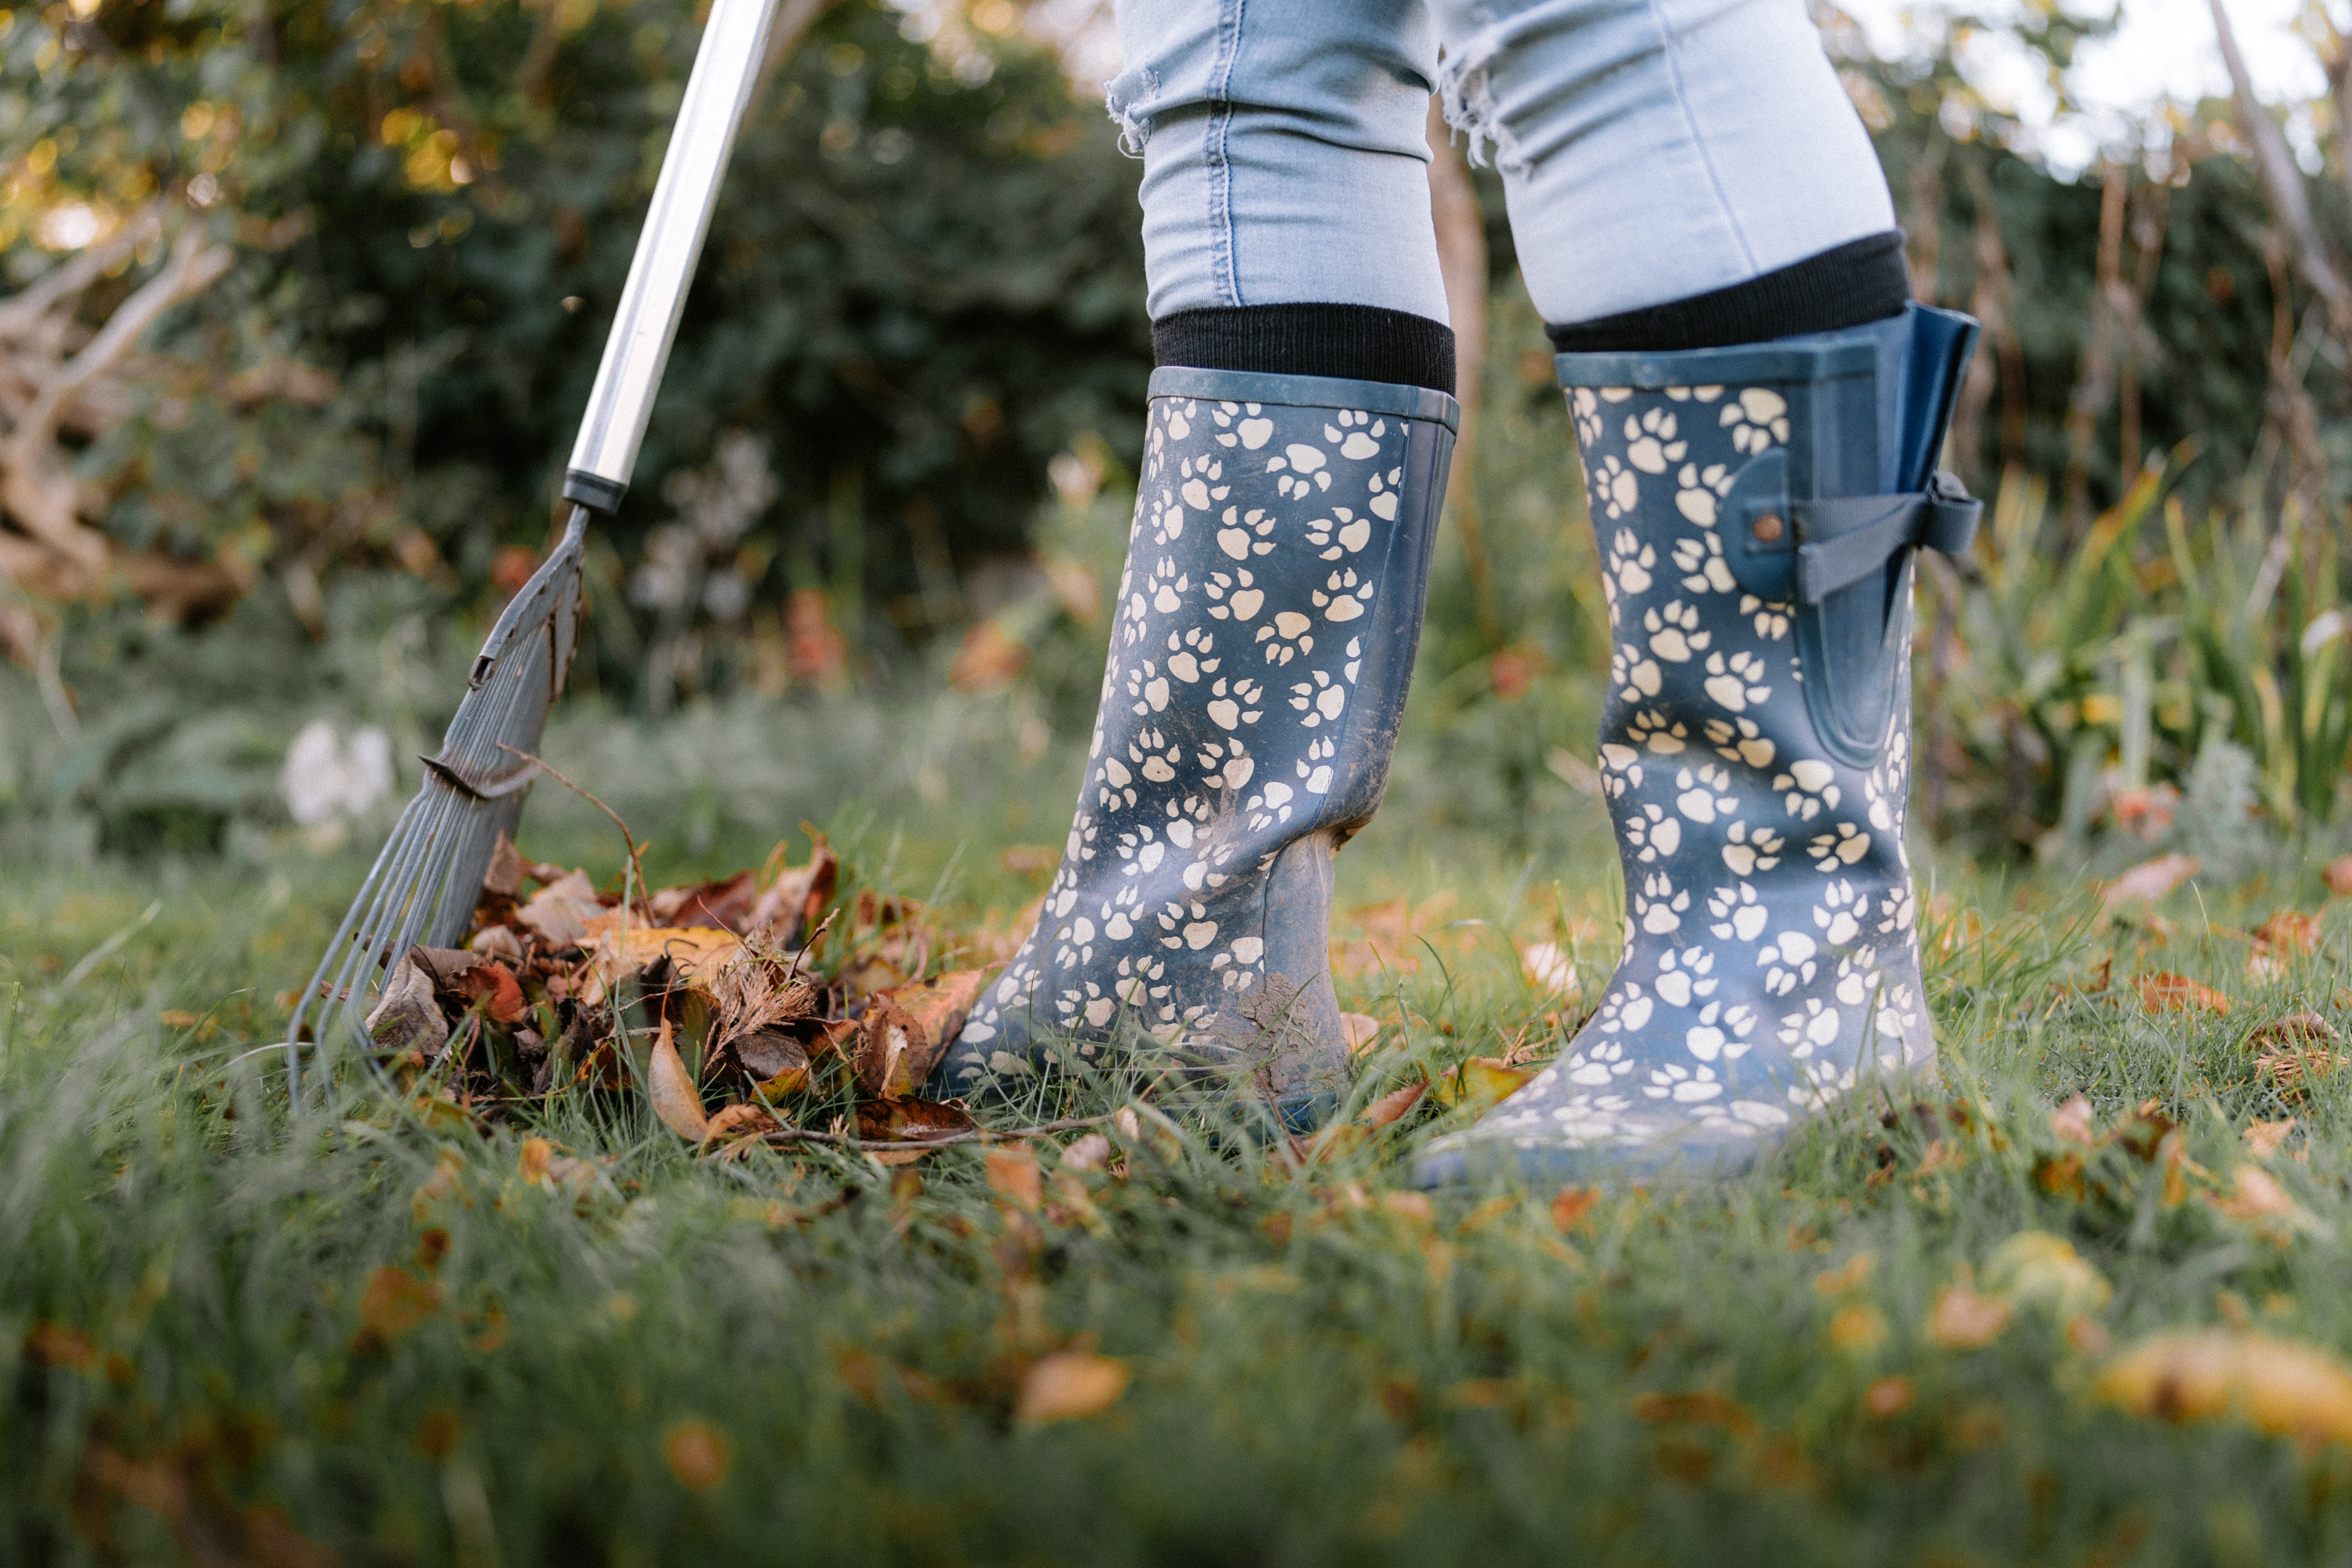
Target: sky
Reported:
[(2164, 51)]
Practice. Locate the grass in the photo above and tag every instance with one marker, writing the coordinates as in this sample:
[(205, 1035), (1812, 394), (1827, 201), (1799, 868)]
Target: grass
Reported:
[(809, 1358)]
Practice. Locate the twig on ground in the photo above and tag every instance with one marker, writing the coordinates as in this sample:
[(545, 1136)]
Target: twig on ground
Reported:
[(636, 869), (948, 1140)]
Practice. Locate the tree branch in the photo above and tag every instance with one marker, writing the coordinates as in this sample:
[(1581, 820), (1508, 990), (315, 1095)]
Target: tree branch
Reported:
[(2282, 186)]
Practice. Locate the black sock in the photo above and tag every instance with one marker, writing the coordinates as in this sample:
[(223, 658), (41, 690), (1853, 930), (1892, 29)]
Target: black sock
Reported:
[(1354, 342), (1858, 282)]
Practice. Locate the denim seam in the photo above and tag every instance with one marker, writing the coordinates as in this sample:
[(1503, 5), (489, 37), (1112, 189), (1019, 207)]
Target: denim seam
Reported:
[(1667, 37), (1230, 16)]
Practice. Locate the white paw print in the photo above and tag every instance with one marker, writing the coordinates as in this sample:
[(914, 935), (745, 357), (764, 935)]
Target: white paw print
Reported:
[(1287, 635), (1700, 560), (1148, 687), (1808, 786), (1629, 562), (1342, 596), (1187, 656), (1736, 682), (1243, 536), (1673, 632), (1699, 792), (1701, 489), (1883, 789), (1686, 1086), (1621, 769), (1308, 468), (1243, 425), (1584, 409), (1613, 488), (1200, 488), (1756, 418), (1685, 976), (1740, 740), (1634, 676), (1341, 533), (1627, 1009), (1652, 834), (1847, 846), (1788, 962), (1839, 914), (1771, 620), (1227, 765), (1178, 424), (1241, 598), (1318, 699), (1737, 912), (1660, 904), (1650, 444), (1238, 706), (1807, 1032), (1386, 491), (1858, 978), (1750, 852), (1899, 911), (1721, 1032), (1605, 1060), (1657, 732)]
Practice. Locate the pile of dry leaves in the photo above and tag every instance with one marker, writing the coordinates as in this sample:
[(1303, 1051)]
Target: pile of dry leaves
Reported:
[(757, 992)]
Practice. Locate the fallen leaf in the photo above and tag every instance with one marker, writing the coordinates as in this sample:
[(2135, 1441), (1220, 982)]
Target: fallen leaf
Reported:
[(394, 1302), (492, 985), (776, 1058), (1090, 1152), (1548, 968), (1887, 1396), (2257, 1196), (53, 1344), (890, 1044), (1014, 1175), (2291, 1028), (1847, 1276), (406, 1017), (1480, 1082), (2275, 1385), (696, 1453), (2036, 1269), (2072, 1120), (796, 896), (1069, 1384), (618, 947), (498, 942), (2337, 875), (1857, 1329), (1569, 1206), (2263, 1138), (1392, 939), (1360, 1030), (989, 660), (1395, 1105), (939, 1006), (1703, 1409), (2167, 993), (2293, 1064), (1964, 1321), (726, 905), (911, 1122), (560, 911), (1030, 860), (537, 1155), (2151, 879), (731, 1123), (2287, 934), (505, 873), (675, 1100)]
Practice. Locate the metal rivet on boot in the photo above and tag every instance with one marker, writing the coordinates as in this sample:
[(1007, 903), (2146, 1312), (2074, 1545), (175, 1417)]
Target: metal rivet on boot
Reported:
[(1768, 529)]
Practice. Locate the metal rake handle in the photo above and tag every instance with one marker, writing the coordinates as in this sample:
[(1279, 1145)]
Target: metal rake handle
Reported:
[(726, 69)]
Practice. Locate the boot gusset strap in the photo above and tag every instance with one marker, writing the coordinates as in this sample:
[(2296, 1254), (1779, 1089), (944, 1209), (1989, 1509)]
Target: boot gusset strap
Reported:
[(1789, 550)]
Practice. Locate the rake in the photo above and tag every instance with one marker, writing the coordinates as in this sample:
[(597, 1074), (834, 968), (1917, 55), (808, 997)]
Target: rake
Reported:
[(425, 882)]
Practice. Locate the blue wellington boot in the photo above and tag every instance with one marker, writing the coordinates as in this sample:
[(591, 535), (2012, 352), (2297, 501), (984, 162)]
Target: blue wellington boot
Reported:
[(1756, 510), (1266, 623)]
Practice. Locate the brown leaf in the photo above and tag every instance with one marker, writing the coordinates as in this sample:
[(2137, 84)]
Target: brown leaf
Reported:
[(1548, 968), (698, 1455), (675, 1100), (2167, 993), (1889, 1397), (795, 898), (2263, 1138), (504, 877), (2072, 1120), (938, 1006), (889, 1045), (407, 1016), (1030, 860), (1014, 1175), (1395, 1105), (1392, 939), (53, 1344), (560, 911), (491, 985), (1068, 1386), (2293, 1028), (725, 905), (911, 1122), (1964, 1321), (1360, 1030), (2337, 875), (1091, 1152), (2257, 1196), (2302, 1391), (2151, 879), (620, 947), (738, 1122), (1569, 1206), (395, 1301), (989, 660), (2288, 932), (773, 1056)]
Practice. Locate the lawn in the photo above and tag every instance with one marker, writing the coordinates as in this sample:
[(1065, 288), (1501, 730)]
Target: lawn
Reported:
[(369, 1336)]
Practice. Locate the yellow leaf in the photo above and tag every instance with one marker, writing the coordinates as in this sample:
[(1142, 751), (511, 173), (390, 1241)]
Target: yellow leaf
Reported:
[(2034, 1269), (1964, 1321), (2258, 1197), (1480, 1082), (696, 1453), (1847, 1276), (2270, 1383), (536, 1154), (2263, 1138), (675, 1100), (1012, 1175), (1858, 1328), (1070, 1384), (696, 953)]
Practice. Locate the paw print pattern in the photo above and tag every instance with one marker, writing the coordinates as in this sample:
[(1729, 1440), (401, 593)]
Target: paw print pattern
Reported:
[(1257, 576), (1771, 926)]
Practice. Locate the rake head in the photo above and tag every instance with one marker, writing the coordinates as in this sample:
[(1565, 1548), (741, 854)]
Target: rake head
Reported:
[(425, 882)]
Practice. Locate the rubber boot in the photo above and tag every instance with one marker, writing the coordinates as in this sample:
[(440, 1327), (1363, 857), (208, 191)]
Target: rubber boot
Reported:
[(1264, 633), (1756, 510)]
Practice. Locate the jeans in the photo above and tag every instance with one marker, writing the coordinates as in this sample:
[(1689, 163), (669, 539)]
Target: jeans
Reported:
[(1650, 150)]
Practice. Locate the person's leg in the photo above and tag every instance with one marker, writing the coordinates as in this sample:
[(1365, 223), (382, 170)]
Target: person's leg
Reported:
[(1758, 409), (1295, 456)]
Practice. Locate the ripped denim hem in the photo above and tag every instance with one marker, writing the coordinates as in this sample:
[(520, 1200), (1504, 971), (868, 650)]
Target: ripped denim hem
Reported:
[(1134, 124), (1465, 96)]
